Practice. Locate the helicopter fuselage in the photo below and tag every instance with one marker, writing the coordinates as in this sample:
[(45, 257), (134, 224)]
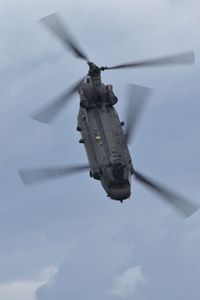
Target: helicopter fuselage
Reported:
[(104, 140)]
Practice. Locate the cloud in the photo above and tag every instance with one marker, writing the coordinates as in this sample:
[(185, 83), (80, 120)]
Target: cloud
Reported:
[(89, 267), (126, 284), (25, 290), (104, 262), (38, 226), (19, 290)]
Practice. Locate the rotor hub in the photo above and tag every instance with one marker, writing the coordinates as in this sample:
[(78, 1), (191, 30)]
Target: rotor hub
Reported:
[(94, 70)]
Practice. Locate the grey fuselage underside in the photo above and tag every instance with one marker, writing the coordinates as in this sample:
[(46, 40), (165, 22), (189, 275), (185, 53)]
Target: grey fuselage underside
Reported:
[(105, 145)]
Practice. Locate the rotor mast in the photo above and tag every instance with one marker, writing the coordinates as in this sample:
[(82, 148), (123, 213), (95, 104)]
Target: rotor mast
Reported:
[(94, 74)]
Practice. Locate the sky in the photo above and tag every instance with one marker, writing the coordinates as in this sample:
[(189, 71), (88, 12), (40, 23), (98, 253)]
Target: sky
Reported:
[(66, 239)]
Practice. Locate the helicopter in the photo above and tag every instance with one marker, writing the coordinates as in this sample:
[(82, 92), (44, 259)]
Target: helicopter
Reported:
[(102, 133)]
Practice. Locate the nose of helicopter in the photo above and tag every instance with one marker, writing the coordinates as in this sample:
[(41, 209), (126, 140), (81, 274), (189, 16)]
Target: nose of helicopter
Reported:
[(120, 194)]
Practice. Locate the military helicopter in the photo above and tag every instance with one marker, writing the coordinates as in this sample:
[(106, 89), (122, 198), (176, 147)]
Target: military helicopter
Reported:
[(102, 133)]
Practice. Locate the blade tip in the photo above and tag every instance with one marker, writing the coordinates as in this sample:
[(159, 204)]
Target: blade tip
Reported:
[(190, 57), (43, 19), (40, 119), (23, 177), (192, 211)]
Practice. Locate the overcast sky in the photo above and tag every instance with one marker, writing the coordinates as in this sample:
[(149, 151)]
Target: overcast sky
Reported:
[(66, 239)]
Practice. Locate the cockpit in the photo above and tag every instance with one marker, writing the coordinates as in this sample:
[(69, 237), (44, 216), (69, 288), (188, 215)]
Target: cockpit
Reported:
[(116, 181)]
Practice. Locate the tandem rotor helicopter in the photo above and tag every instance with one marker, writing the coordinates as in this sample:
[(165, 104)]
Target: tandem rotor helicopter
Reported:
[(102, 133)]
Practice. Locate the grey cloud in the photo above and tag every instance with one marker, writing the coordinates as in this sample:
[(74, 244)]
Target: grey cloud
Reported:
[(51, 224), (89, 268), (167, 258)]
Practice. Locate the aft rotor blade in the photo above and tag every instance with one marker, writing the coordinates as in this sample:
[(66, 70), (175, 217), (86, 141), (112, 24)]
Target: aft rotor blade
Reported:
[(137, 100), (34, 176), (176, 59), (55, 25), (182, 205), (50, 111)]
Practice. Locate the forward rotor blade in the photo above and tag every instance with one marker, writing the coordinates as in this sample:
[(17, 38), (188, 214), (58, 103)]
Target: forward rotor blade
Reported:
[(137, 101), (49, 112), (182, 205), (177, 59), (34, 176), (55, 25)]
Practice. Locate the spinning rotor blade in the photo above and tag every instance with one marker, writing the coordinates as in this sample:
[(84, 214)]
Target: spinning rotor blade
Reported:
[(182, 205), (34, 176), (177, 59), (49, 112), (137, 100), (56, 26)]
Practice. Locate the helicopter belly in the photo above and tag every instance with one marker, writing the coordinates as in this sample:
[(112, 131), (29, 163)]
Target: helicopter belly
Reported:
[(92, 140), (103, 136), (106, 146)]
